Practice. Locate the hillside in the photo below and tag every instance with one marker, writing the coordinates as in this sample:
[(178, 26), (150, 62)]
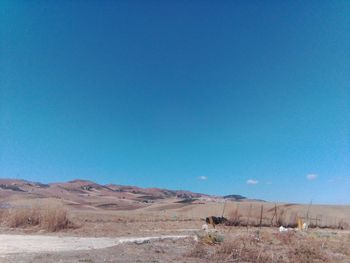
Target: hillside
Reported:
[(87, 194)]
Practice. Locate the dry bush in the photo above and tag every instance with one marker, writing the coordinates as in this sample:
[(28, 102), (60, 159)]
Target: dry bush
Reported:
[(234, 218), (292, 220), (54, 218), (308, 251), (281, 217), (266, 246), (210, 238), (242, 249), (287, 219), (18, 217), (287, 249), (51, 218)]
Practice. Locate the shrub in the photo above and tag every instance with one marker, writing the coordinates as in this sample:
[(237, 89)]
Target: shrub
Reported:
[(234, 218), (210, 238), (17, 217), (54, 218), (242, 249), (51, 218), (281, 218)]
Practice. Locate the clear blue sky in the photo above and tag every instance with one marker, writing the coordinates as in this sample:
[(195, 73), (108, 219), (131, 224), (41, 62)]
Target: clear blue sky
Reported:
[(243, 97)]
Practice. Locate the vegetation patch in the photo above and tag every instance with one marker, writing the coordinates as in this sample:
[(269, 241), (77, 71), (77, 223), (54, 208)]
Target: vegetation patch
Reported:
[(51, 217)]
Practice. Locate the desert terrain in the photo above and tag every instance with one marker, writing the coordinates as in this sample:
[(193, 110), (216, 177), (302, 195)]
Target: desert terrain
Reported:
[(82, 221)]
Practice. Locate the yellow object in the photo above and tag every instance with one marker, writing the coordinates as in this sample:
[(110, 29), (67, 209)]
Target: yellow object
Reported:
[(300, 224)]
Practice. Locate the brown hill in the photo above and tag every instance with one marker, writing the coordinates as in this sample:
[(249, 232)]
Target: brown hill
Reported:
[(88, 194)]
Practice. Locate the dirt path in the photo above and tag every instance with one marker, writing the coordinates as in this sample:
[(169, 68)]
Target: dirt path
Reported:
[(10, 244)]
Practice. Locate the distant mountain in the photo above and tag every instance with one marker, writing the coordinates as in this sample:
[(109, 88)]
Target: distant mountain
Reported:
[(235, 197), (84, 193), (84, 188)]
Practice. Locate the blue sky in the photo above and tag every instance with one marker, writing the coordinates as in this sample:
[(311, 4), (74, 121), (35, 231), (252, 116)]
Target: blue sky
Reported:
[(230, 97)]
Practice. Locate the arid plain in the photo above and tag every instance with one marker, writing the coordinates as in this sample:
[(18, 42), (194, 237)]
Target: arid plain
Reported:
[(82, 221)]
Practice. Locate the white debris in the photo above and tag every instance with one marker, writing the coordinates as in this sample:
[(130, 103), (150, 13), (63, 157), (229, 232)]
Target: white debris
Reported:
[(283, 229), (305, 226)]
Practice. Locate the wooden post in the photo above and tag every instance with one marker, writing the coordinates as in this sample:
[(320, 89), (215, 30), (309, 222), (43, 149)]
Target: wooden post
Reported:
[(274, 216), (261, 214), (307, 213), (250, 209), (223, 210)]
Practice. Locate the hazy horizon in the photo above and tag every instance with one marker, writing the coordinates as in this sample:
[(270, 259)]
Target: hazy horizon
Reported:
[(248, 98)]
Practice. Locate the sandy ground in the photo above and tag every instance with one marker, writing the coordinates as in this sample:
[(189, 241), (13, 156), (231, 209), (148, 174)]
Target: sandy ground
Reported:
[(11, 244), (160, 251)]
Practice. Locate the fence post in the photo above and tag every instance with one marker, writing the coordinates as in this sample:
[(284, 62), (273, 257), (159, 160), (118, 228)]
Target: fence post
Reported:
[(274, 215), (250, 209), (261, 214)]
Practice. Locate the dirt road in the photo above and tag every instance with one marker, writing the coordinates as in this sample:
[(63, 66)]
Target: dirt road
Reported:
[(10, 244)]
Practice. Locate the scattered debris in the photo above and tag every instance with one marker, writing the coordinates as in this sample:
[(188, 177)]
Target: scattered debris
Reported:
[(283, 229)]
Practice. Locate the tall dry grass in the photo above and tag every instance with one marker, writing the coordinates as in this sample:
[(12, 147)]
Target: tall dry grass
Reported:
[(282, 217), (17, 217), (289, 247), (55, 218), (235, 218), (50, 217)]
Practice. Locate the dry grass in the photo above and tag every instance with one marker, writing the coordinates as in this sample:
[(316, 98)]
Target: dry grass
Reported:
[(250, 217), (282, 219), (18, 217), (55, 218), (267, 246), (308, 252), (234, 218), (199, 251), (210, 238), (50, 217), (241, 249)]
